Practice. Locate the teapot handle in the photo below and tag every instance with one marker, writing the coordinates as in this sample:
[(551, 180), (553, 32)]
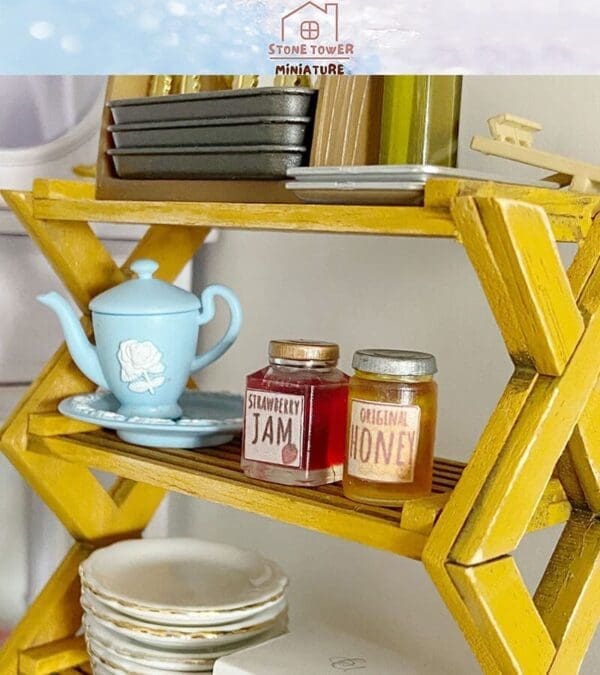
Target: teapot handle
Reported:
[(207, 313)]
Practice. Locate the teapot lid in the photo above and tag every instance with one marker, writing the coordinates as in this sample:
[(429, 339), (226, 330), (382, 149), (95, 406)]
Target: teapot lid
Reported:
[(144, 295)]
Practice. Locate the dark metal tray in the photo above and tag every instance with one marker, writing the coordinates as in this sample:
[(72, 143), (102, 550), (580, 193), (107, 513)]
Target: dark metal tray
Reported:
[(213, 131), (241, 162), (272, 101)]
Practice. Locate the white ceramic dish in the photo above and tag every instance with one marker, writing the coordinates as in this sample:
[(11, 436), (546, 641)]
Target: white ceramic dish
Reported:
[(101, 668), (212, 619), (181, 637), (400, 173), (356, 192), (149, 655), (182, 576), (117, 662), (98, 608)]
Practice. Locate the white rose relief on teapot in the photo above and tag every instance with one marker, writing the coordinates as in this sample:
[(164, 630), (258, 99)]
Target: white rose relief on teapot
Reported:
[(141, 366)]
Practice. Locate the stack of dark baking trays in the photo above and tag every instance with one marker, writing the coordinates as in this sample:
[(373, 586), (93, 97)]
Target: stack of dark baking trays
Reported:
[(256, 133)]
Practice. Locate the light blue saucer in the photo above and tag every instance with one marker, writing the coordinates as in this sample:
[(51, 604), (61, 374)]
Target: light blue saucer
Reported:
[(208, 419)]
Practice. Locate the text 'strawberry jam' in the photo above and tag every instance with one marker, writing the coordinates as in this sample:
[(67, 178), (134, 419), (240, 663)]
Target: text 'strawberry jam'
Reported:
[(392, 406), (295, 415)]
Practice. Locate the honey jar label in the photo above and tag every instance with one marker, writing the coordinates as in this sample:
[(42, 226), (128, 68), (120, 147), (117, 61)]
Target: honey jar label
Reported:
[(273, 427), (382, 441)]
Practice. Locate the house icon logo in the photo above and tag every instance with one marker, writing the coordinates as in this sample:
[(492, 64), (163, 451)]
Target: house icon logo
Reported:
[(309, 41), (311, 22)]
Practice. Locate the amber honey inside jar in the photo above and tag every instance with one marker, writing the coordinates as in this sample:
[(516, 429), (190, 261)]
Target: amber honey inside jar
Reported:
[(392, 408)]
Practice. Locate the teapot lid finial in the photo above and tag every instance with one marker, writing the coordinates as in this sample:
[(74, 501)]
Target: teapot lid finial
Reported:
[(144, 268), (144, 295)]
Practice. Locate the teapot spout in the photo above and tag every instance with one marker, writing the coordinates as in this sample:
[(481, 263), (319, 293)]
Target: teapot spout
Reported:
[(82, 351)]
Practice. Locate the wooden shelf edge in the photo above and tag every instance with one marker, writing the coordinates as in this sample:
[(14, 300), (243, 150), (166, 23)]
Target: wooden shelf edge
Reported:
[(53, 657), (261, 499), (401, 531), (415, 221), (570, 213)]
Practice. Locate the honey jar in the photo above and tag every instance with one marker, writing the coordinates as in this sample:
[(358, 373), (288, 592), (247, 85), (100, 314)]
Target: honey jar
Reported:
[(392, 406)]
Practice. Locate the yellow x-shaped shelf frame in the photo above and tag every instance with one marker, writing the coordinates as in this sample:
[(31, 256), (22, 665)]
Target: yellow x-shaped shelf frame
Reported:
[(537, 463)]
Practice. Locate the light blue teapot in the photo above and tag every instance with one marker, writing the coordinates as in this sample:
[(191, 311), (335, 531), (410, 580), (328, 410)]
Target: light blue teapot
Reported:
[(146, 334)]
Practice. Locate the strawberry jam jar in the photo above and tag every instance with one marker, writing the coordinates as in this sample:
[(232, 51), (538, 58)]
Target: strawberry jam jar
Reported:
[(295, 415)]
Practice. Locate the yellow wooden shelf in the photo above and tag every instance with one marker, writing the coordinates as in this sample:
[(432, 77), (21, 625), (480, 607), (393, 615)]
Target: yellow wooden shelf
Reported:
[(570, 214), (215, 475), (537, 463), (64, 656)]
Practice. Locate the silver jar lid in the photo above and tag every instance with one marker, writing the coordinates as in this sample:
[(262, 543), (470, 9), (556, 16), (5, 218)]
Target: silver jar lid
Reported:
[(394, 362)]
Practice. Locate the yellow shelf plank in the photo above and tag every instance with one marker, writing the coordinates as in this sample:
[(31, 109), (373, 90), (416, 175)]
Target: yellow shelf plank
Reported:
[(53, 657), (55, 424), (215, 475), (214, 478), (570, 213), (385, 220)]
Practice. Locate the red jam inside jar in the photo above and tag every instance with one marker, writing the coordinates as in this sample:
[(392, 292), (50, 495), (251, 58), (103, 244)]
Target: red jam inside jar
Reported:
[(295, 415)]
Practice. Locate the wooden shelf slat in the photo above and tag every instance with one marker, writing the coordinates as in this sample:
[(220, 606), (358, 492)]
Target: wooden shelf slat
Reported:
[(383, 220), (53, 657), (570, 213), (215, 475)]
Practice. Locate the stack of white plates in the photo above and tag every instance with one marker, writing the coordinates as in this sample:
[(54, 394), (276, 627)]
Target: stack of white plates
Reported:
[(176, 605)]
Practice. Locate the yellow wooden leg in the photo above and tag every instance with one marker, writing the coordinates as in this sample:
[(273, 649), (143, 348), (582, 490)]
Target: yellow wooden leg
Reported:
[(54, 615), (500, 603), (508, 501), (567, 596), (460, 504), (92, 514), (551, 325), (584, 446), (53, 657)]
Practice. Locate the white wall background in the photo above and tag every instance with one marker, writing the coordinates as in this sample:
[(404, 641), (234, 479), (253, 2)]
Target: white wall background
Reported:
[(394, 292)]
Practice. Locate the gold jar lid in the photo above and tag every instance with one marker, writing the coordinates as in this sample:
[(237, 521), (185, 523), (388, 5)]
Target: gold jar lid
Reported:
[(304, 350)]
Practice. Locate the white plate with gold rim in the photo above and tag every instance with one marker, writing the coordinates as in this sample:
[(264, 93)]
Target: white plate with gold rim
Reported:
[(178, 637), (182, 577), (153, 656), (104, 665), (94, 605), (133, 667), (170, 618), (99, 667)]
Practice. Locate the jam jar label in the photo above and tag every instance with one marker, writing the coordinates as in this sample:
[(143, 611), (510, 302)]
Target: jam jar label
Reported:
[(274, 427), (382, 441)]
